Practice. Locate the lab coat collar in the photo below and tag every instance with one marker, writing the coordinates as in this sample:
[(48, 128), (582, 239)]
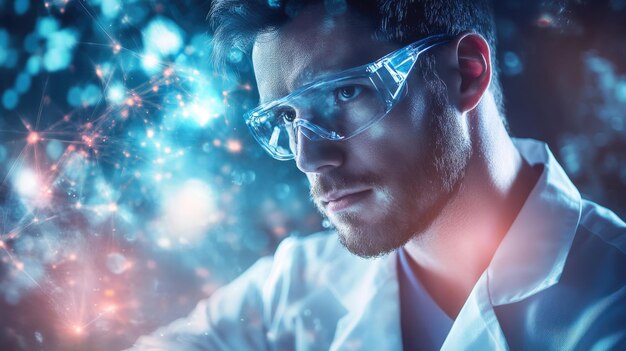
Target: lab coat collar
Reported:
[(532, 255), (369, 292)]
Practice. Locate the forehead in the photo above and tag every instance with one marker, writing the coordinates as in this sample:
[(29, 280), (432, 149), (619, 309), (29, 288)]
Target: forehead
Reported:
[(311, 45)]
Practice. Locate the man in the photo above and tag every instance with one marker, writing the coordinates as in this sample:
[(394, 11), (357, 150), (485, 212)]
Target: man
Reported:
[(473, 240)]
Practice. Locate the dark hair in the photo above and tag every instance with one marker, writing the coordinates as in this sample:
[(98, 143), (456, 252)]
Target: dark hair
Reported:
[(236, 23)]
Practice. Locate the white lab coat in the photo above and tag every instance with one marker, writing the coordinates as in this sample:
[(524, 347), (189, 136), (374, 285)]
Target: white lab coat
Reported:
[(536, 294)]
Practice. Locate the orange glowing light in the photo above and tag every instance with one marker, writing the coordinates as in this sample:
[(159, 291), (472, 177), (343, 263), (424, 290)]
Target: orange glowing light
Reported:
[(109, 292), (113, 207), (78, 330), (233, 146), (2, 245), (33, 138)]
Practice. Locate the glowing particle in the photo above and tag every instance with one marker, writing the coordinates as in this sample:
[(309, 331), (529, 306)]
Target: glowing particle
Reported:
[(189, 210), (117, 48), (10, 98), (233, 146), (33, 138), (116, 93), (90, 95), (164, 243), (163, 36), (27, 183), (2, 244), (73, 96), (150, 62), (112, 207), (110, 8), (19, 265), (46, 26), (545, 20), (33, 65), (21, 6), (56, 59), (54, 149), (78, 330), (150, 133), (512, 63), (117, 263), (22, 83)]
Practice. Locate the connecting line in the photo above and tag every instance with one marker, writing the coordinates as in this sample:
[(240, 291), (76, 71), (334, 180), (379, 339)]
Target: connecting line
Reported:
[(22, 268), (97, 22)]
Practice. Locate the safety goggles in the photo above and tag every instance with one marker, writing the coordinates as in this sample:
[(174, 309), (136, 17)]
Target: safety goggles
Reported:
[(340, 105)]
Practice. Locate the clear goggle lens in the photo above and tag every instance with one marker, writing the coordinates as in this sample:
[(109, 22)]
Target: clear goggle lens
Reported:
[(333, 110)]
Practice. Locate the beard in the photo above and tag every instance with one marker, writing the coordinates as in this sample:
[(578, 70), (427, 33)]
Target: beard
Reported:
[(428, 185)]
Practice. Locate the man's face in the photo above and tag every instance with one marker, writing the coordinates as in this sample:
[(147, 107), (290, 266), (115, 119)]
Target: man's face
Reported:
[(384, 186)]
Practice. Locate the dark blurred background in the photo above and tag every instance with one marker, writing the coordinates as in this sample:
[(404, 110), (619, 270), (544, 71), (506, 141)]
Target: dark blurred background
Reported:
[(130, 188)]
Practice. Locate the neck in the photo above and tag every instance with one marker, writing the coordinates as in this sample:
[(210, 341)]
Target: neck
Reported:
[(454, 252)]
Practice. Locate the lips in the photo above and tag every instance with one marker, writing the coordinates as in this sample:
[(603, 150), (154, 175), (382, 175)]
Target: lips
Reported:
[(338, 201)]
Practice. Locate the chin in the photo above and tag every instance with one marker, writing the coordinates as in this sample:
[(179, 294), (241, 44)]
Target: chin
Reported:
[(372, 240)]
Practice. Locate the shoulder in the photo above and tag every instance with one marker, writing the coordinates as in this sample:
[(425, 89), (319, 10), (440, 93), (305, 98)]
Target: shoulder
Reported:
[(598, 253), (603, 224)]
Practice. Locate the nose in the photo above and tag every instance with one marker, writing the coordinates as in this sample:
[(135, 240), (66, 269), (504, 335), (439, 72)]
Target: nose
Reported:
[(318, 155)]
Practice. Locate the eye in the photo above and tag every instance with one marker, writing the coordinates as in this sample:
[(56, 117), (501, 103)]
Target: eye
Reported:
[(287, 114), (348, 92)]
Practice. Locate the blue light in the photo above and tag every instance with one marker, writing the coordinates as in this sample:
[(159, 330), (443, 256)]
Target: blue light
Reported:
[(90, 95), (73, 96), (46, 26), (110, 8), (3, 153), (3, 55), (10, 98), (64, 39), (163, 36), (11, 58), (31, 43), (512, 64), (54, 149), (33, 65), (116, 94), (4, 37), (56, 60), (150, 62), (22, 83), (620, 90), (21, 6)]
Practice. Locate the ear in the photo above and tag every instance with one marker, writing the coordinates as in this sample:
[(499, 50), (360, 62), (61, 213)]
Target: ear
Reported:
[(474, 67)]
